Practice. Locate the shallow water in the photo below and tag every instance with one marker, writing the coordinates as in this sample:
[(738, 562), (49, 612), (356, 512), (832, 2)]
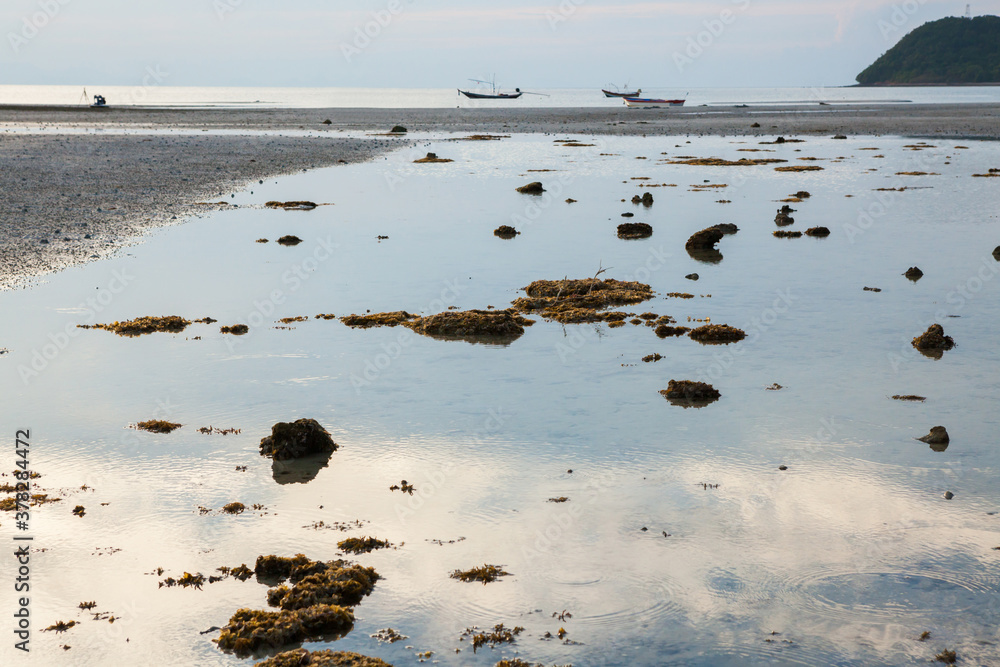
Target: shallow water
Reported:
[(849, 554)]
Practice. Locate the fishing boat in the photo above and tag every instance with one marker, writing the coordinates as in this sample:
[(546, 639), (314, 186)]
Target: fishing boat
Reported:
[(492, 96), (650, 103), (609, 93)]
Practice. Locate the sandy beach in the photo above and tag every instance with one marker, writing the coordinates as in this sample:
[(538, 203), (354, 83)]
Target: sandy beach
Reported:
[(74, 197)]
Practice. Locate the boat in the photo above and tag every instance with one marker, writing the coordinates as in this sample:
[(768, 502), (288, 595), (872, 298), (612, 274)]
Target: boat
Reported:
[(99, 102), (609, 93), (493, 94), (650, 103)]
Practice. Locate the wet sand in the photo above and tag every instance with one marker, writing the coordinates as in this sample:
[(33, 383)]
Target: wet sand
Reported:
[(75, 197)]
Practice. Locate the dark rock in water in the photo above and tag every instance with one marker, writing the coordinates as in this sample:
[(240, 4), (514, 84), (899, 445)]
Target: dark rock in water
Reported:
[(692, 276), (717, 334), (839, 136), (690, 394), (783, 219), (873, 289), (398, 129), (496, 327), (755, 125), (785, 234), (996, 253), (779, 140), (914, 274), (236, 330), (628, 215), (705, 239), (505, 232), (937, 436), (289, 240), (634, 230), (292, 205), (296, 440), (667, 331), (646, 199), (726, 228), (948, 495), (802, 194), (933, 342), (782, 468), (819, 232), (531, 189), (432, 158), (327, 122), (786, 209)]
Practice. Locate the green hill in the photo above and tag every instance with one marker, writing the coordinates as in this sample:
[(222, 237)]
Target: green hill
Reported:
[(947, 51)]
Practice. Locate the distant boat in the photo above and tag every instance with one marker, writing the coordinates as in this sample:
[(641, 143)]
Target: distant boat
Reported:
[(493, 94), (608, 93), (651, 103)]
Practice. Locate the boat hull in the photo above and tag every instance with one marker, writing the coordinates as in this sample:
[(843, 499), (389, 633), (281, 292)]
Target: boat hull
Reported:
[(608, 93), (651, 103), (500, 96)]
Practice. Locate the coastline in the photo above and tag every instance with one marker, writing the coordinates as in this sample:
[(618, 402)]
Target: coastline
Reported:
[(76, 196)]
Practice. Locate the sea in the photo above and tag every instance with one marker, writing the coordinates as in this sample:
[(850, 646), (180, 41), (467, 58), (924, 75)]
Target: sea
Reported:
[(445, 98)]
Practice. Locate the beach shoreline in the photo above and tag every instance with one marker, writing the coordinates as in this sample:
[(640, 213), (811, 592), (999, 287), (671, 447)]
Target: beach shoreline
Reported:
[(81, 184)]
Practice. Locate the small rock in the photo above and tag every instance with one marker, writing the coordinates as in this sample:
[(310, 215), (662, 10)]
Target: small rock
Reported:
[(504, 232), (937, 436), (297, 439), (933, 340), (573, 201), (692, 276), (914, 274), (948, 495), (840, 136), (628, 215), (996, 253), (782, 467), (398, 129), (531, 189), (634, 230), (327, 122), (818, 232)]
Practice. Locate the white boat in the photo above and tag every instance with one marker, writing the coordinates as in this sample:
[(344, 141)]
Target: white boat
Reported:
[(651, 103)]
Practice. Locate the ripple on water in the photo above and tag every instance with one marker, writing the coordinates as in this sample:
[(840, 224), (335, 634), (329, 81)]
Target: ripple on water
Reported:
[(888, 596)]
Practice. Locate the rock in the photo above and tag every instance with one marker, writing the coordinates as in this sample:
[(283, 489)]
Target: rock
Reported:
[(755, 125), (782, 468), (779, 140), (690, 394), (327, 122), (531, 189), (839, 136), (505, 232), (236, 330), (628, 215), (497, 327), (783, 219), (398, 129), (996, 253), (667, 331), (297, 439), (705, 239), (785, 234), (646, 199), (948, 495), (634, 230), (692, 276), (717, 334), (937, 436), (818, 232), (570, 201), (432, 158), (786, 209), (933, 342), (802, 194), (325, 658), (289, 240), (914, 274)]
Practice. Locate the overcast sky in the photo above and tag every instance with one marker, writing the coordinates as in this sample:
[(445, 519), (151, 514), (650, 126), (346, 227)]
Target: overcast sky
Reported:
[(441, 43)]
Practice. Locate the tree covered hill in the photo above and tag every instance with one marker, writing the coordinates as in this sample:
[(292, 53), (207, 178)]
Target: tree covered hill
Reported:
[(946, 51)]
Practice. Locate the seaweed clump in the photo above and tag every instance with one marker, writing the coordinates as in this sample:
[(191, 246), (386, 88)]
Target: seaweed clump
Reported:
[(667, 331), (392, 319), (500, 634), (292, 205), (249, 630), (235, 329), (143, 325), (301, 657), (362, 545), (486, 574), (296, 440), (577, 301), (474, 326), (688, 393), (933, 342), (717, 334), (785, 234), (158, 426), (318, 583), (818, 231), (289, 240), (635, 230), (505, 232)]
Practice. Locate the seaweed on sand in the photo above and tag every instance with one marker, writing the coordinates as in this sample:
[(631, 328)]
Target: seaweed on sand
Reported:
[(158, 426), (362, 545), (301, 657), (717, 334), (249, 630), (392, 319), (486, 574), (690, 394), (474, 326), (143, 325)]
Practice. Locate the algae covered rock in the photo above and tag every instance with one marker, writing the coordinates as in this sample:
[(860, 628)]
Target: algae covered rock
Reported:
[(690, 394), (502, 326), (249, 630), (717, 334), (937, 436), (297, 439), (301, 657), (505, 232), (531, 189), (933, 342), (634, 230)]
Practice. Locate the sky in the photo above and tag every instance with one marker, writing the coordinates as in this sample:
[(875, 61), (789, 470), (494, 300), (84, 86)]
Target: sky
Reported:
[(441, 44)]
